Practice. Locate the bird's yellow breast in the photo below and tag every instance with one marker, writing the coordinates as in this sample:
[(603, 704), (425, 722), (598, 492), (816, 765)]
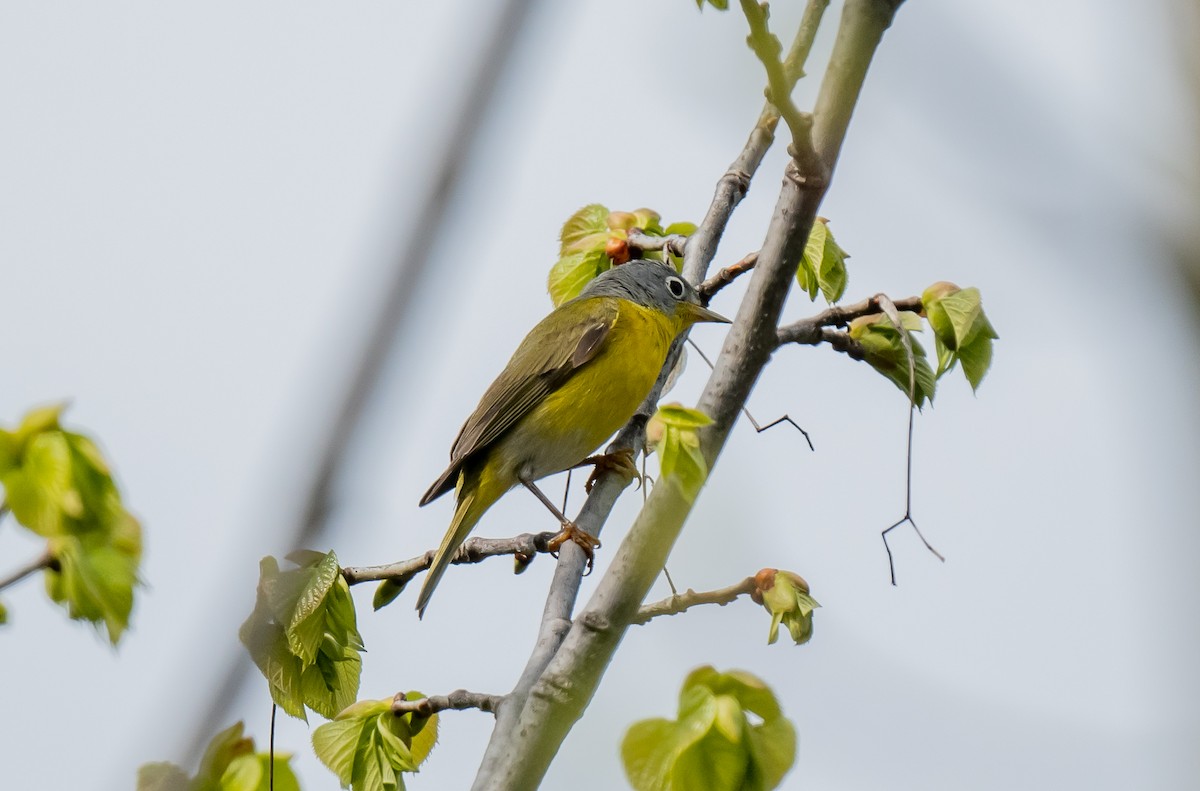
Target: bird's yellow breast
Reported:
[(597, 400)]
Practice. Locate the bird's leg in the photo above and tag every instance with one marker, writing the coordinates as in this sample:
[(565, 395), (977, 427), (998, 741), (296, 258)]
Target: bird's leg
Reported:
[(570, 531), (620, 460)]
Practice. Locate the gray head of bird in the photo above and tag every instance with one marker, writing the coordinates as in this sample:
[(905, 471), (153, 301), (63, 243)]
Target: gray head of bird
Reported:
[(656, 285)]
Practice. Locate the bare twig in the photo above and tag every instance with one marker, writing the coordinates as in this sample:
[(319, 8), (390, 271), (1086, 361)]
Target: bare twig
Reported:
[(44, 561), (745, 411), (473, 550), (893, 314), (725, 276), (673, 244), (673, 605), (458, 700)]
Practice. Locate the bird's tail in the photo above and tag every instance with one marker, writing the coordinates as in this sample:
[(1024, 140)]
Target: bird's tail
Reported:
[(473, 499)]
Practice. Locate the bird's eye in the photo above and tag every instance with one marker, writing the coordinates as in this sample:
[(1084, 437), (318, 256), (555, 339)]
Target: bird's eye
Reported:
[(675, 286)]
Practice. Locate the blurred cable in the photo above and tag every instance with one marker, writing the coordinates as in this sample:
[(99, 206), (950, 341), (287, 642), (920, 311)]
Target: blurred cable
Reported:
[(404, 279)]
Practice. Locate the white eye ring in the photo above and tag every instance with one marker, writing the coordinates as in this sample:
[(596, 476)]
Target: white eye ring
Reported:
[(675, 286)]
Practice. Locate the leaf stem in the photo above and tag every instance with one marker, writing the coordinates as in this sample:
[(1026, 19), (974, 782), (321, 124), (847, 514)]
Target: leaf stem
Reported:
[(44, 561)]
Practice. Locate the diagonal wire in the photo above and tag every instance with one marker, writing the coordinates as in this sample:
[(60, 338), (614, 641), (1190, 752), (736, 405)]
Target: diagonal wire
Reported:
[(405, 278)]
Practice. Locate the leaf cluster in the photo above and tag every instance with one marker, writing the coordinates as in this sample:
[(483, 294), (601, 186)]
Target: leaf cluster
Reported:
[(368, 746), (59, 485), (229, 764), (786, 596), (962, 332), (594, 239), (673, 432), (730, 735), (303, 634), (883, 347), (822, 268)]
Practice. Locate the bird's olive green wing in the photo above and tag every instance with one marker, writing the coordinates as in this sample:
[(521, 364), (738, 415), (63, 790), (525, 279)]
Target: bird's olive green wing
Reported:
[(553, 350)]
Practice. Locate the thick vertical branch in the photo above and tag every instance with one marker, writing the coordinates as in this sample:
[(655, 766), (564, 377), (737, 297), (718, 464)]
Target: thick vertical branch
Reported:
[(699, 253), (523, 752)]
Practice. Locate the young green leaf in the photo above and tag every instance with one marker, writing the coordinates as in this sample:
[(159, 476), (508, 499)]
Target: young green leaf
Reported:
[(785, 595), (883, 348), (822, 268), (673, 432), (303, 635), (368, 747), (94, 574), (961, 329), (713, 745), (229, 764), (586, 229), (573, 271)]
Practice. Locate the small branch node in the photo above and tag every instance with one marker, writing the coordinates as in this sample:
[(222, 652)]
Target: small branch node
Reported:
[(458, 700)]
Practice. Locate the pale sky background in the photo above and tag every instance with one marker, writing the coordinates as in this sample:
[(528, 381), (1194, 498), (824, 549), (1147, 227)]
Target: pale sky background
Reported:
[(197, 207)]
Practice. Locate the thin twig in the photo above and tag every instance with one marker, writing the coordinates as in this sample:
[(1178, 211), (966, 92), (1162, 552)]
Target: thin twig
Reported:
[(673, 605), (758, 429), (45, 561), (725, 276), (458, 700), (473, 550), (271, 757)]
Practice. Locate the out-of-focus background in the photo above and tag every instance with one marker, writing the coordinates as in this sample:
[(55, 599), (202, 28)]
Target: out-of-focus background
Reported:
[(201, 208)]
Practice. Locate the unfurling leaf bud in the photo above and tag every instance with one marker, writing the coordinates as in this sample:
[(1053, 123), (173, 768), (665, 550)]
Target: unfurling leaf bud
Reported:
[(617, 249), (785, 596)]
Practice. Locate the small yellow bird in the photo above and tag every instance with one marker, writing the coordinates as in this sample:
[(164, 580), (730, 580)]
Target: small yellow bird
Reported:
[(577, 377)]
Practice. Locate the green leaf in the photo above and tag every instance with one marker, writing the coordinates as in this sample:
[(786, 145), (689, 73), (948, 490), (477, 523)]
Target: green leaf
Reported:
[(673, 431), (883, 348), (649, 751), (303, 635), (386, 593), (368, 747), (95, 575), (713, 745), (720, 5), (3, 614), (229, 764), (961, 329), (976, 358), (585, 230), (822, 268), (573, 271)]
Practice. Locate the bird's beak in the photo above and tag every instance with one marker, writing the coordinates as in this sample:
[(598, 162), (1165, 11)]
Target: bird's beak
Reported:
[(697, 313)]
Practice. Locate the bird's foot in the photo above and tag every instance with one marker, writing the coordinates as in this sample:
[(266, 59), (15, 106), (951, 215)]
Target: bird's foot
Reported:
[(622, 461), (570, 532)]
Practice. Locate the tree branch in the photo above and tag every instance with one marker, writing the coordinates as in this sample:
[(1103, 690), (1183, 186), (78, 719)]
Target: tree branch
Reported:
[(681, 602), (473, 550), (725, 276), (458, 700), (564, 689), (732, 187), (45, 561), (811, 331)]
